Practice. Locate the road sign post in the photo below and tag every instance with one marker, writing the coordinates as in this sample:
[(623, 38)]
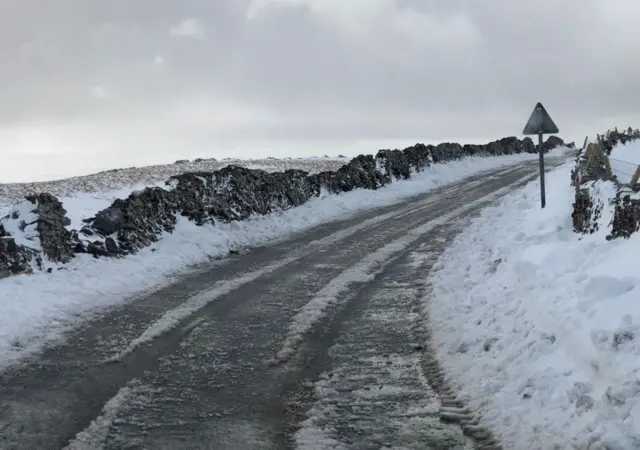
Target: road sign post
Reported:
[(540, 123), (543, 195)]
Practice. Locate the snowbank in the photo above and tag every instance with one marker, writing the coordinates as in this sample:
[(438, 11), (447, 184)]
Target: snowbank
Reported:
[(538, 327), (38, 307)]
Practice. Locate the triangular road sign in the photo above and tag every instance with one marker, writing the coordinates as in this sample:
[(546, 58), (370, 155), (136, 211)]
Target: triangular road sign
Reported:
[(540, 122)]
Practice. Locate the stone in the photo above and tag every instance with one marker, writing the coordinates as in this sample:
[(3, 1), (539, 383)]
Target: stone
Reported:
[(56, 240), (394, 163), (552, 142), (626, 216), (14, 259), (585, 213)]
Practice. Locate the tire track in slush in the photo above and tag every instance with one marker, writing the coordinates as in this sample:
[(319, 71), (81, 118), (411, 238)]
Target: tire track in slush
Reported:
[(367, 269), (379, 385), (373, 392), (354, 405)]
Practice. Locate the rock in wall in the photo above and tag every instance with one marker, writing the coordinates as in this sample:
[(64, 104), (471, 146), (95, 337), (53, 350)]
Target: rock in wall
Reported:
[(626, 216), (51, 226), (615, 137), (14, 258), (230, 194), (586, 212)]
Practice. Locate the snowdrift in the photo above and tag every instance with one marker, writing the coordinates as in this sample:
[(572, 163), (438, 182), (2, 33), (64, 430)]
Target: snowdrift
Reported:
[(37, 231), (536, 320)]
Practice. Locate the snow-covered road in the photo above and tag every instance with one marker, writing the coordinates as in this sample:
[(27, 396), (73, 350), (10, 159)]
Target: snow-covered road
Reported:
[(311, 342), (35, 309)]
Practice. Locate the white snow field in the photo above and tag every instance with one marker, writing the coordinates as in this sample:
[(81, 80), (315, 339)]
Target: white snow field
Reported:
[(37, 308), (118, 179), (537, 327)]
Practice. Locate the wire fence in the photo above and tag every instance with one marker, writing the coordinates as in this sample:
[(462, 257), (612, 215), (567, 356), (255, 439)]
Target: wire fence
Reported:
[(623, 170), (594, 160)]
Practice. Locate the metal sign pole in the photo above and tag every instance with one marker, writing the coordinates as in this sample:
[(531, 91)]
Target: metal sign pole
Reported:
[(543, 200), (540, 123)]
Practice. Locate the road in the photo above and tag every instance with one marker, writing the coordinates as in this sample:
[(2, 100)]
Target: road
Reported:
[(313, 342)]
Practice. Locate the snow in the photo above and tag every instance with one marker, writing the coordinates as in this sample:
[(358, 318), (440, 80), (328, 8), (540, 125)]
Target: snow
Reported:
[(37, 308), (28, 236), (95, 434), (537, 327), (173, 317), (629, 152)]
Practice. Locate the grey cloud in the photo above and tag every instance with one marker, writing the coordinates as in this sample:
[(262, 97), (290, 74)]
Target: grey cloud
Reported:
[(189, 28), (316, 70)]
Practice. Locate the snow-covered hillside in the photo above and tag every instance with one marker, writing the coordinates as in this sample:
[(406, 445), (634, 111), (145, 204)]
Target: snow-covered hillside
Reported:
[(134, 177), (537, 326)]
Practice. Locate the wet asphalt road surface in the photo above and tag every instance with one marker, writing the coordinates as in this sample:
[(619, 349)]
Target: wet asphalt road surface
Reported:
[(314, 342)]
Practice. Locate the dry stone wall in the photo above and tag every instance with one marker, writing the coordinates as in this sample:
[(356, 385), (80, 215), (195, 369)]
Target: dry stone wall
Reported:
[(230, 194), (587, 207)]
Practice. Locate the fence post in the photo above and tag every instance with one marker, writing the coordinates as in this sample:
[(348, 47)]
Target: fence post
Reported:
[(590, 155), (605, 159), (635, 177)]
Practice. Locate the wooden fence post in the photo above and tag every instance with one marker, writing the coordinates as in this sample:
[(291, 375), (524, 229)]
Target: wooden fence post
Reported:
[(605, 159), (635, 177), (590, 155)]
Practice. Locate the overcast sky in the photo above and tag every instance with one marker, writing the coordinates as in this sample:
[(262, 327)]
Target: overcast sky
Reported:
[(94, 84)]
